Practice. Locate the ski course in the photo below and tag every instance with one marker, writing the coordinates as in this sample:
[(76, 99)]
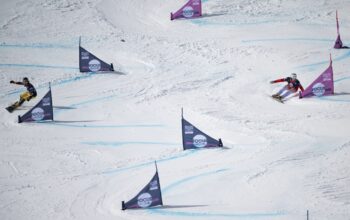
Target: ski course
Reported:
[(156, 211), (110, 128)]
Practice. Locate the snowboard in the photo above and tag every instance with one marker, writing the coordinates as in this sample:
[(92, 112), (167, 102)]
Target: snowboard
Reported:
[(277, 99), (12, 107)]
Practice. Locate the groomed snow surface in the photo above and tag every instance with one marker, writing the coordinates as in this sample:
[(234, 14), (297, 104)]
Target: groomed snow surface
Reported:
[(279, 160)]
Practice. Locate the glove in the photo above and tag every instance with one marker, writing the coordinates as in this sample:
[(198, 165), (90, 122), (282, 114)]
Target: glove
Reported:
[(12, 81), (272, 82)]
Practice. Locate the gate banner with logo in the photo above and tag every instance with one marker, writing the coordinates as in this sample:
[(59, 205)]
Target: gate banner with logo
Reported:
[(90, 63), (40, 112), (193, 138), (323, 85), (192, 9), (149, 196)]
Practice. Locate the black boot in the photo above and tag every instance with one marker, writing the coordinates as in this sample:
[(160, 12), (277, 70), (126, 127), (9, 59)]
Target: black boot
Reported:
[(12, 107)]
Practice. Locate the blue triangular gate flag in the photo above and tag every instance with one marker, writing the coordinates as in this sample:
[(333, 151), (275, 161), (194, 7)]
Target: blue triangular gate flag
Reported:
[(193, 138), (40, 112), (150, 195), (90, 63)]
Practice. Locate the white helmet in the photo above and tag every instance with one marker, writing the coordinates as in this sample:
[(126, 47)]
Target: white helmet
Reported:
[(293, 75)]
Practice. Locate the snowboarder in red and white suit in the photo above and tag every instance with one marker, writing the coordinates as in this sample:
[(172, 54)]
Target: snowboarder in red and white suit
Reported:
[(292, 87)]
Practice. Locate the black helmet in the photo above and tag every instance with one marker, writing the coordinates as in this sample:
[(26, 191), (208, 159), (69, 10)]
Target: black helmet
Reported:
[(25, 79)]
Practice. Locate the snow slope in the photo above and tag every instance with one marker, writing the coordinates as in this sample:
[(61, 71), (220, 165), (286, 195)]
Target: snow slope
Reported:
[(279, 160)]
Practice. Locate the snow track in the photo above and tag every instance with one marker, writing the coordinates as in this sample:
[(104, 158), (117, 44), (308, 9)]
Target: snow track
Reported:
[(279, 160)]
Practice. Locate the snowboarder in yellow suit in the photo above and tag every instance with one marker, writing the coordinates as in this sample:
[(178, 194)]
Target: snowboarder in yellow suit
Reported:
[(26, 96)]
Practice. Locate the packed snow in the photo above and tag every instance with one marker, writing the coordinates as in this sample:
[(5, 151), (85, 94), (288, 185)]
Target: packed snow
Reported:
[(279, 160)]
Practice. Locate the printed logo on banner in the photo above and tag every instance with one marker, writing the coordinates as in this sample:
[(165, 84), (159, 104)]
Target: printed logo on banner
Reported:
[(188, 129), (153, 185), (188, 12), (38, 114), (318, 89), (199, 141), (144, 200), (85, 55), (327, 77), (196, 2), (46, 101), (94, 65)]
